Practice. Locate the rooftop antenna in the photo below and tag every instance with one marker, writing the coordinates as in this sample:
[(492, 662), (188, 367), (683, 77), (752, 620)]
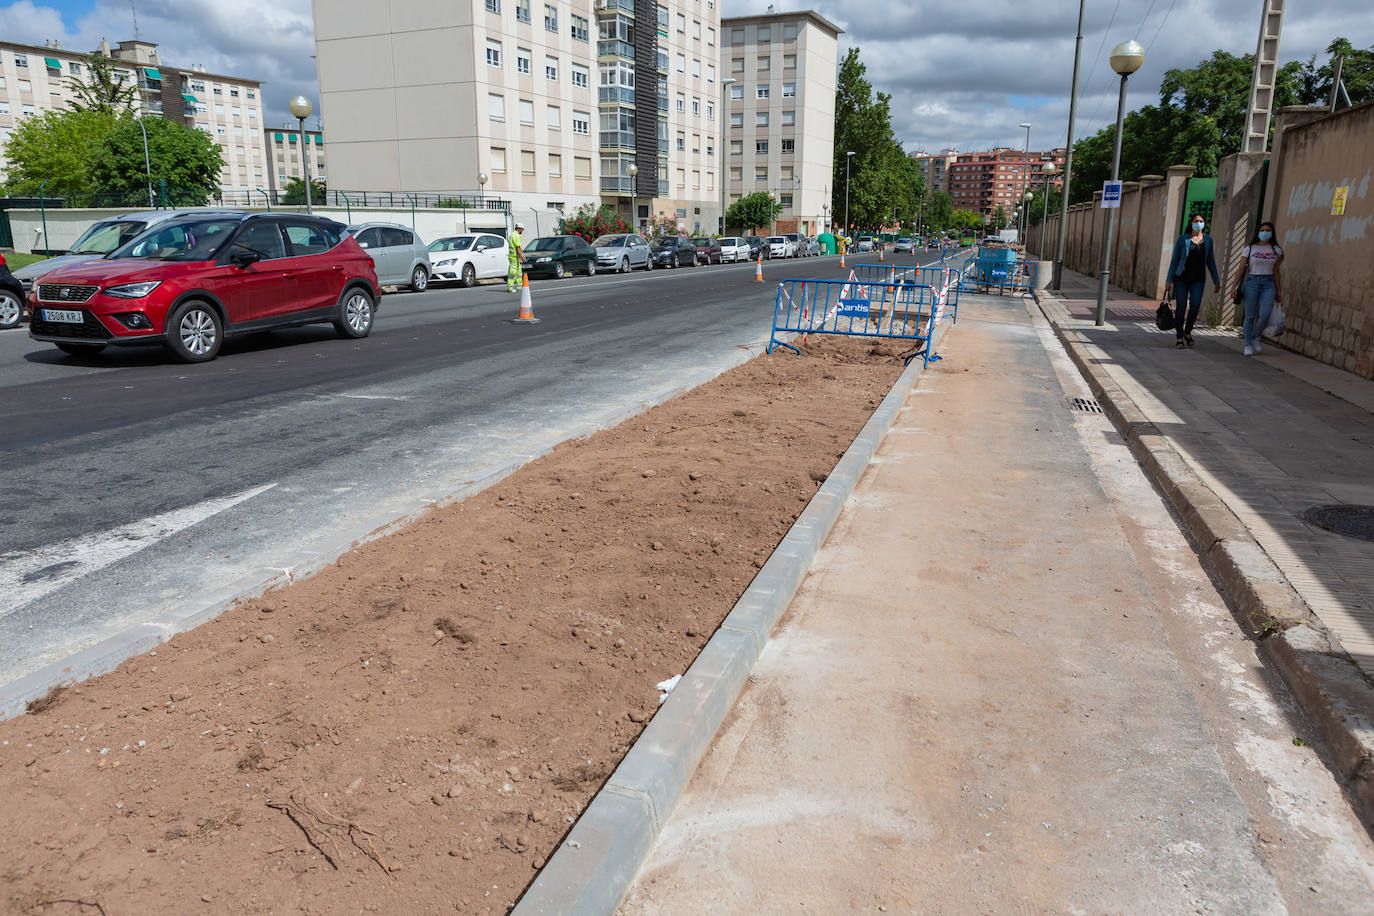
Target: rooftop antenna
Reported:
[(133, 8)]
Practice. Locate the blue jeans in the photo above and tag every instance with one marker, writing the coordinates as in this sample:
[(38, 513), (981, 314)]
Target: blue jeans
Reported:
[(1187, 302), (1259, 302)]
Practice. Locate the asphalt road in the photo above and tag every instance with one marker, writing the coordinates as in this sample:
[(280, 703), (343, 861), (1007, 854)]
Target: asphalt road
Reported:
[(136, 488)]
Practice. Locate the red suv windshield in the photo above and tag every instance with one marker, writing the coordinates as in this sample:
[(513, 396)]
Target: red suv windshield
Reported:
[(193, 240)]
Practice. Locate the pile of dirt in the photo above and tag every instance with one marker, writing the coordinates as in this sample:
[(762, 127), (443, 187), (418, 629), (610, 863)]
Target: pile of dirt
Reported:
[(415, 728)]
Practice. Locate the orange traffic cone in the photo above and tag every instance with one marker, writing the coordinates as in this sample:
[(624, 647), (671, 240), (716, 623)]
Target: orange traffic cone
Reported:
[(841, 258), (758, 269), (880, 254), (526, 315)]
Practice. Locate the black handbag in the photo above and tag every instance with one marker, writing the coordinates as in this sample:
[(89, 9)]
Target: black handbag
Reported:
[(1164, 315)]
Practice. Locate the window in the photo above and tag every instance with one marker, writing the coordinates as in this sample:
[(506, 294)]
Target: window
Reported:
[(527, 162), (760, 146), (789, 90), (789, 61), (681, 22), (736, 147), (737, 65), (582, 167), (522, 60), (579, 28), (550, 17), (761, 91), (663, 21), (760, 173), (551, 68), (4, 107), (786, 201), (21, 60), (764, 37), (696, 143), (789, 118), (696, 108), (555, 118), (710, 147), (233, 94), (696, 179), (218, 91), (581, 123), (522, 11), (580, 76), (736, 119), (785, 173), (765, 61), (26, 110), (737, 36), (761, 119), (75, 70), (219, 110), (710, 73), (682, 179), (681, 102), (197, 86), (789, 145), (493, 6), (710, 181), (555, 166), (496, 106), (681, 142), (498, 158), (696, 69), (527, 112), (493, 53), (789, 33), (238, 113), (710, 111), (25, 86), (736, 91), (682, 63), (736, 173), (253, 115)]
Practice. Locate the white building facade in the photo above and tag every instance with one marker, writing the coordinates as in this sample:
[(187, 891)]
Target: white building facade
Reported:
[(36, 79), (780, 136), (550, 102)]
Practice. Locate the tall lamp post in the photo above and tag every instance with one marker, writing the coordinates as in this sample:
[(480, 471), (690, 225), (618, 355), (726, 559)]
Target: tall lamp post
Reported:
[(1025, 174), (1057, 280), (1048, 171), (147, 164), (481, 190), (848, 157), (724, 118), (301, 109), (1025, 216), (1126, 59), (632, 170)]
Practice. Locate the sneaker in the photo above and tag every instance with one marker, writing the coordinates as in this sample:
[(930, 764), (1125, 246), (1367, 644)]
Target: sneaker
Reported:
[(1249, 350), (1258, 348)]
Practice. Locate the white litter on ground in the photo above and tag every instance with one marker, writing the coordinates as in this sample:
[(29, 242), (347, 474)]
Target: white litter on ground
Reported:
[(667, 687)]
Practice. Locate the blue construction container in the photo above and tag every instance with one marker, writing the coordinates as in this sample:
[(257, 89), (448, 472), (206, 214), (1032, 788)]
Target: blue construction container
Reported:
[(995, 265)]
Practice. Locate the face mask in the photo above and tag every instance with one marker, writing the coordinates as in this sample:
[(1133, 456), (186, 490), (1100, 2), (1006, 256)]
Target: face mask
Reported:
[(1265, 235), (1197, 227)]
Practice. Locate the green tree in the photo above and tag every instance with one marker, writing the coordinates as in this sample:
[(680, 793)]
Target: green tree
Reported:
[(753, 211), (591, 222), (940, 211), (293, 192), (57, 146), (183, 160), (882, 181), (1357, 73), (102, 90), (999, 219)]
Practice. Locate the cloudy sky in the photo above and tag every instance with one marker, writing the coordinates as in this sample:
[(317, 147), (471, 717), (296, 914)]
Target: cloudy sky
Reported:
[(962, 73)]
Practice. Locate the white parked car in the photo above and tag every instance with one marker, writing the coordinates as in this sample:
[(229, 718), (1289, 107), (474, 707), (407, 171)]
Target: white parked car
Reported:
[(780, 246), (733, 248), (469, 257), (398, 254), (623, 252), (811, 247)]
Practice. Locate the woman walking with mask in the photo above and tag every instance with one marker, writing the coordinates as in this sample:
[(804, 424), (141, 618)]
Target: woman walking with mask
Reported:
[(1193, 258), (1260, 284)]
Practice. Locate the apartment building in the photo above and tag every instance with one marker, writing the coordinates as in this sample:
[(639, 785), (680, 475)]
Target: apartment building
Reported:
[(781, 133), (935, 168), (36, 79), (287, 151), (988, 181), (550, 102)]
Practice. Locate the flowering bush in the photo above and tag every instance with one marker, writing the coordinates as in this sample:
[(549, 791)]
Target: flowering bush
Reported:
[(590, 222)]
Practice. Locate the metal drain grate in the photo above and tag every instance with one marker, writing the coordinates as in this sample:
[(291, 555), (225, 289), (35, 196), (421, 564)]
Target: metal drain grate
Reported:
[(1086, 405), (1351, 521)]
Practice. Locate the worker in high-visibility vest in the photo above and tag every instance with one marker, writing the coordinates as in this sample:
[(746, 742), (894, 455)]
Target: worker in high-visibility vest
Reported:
[(517, 255)]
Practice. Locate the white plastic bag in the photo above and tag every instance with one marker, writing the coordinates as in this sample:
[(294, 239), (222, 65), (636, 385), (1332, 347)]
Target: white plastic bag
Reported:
[(1275, 326)]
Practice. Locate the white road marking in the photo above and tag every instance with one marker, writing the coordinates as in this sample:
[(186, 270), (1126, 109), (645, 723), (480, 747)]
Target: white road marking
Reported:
[(26, 576)]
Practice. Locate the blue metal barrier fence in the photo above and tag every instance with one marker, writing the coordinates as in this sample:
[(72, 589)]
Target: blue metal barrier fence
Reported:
[(848, 308), (992, 270), (935, 276)]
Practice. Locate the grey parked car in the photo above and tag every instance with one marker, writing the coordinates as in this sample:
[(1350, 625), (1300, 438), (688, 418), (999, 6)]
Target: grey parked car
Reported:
[(622, 253), (99, 240), (398, 254)]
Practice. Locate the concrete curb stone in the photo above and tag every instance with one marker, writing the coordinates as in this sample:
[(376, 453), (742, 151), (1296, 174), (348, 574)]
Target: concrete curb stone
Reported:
[(590, 874), (1310, 658)]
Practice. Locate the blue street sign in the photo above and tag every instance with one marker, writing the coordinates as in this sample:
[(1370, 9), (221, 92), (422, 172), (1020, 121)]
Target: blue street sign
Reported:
[(1111, 194)]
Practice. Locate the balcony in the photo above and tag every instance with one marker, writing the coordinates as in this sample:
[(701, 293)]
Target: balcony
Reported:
[(662, 188), (662, 106), (613, 95), (617, 185), (613, 6), (614, 47), (617, 139)]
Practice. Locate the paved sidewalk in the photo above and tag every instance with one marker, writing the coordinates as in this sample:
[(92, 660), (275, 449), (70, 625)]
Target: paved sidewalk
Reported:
[(1008, 686), (1272, 435)]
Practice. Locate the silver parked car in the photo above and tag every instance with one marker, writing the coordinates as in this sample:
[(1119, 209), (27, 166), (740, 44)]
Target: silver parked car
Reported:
[(733, 248), (468, 258), (622, 252), (810, 247), (99, 240), (399, 256)]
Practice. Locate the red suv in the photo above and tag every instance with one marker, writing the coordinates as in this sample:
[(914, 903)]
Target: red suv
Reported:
[(191, 281)]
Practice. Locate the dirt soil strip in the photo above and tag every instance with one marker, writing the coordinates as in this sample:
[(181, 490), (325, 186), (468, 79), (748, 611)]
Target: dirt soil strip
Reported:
[(415, 728)]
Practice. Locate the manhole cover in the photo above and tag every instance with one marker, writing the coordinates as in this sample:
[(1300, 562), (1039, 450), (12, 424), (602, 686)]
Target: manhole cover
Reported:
[(1087, 405), (1351, 521)]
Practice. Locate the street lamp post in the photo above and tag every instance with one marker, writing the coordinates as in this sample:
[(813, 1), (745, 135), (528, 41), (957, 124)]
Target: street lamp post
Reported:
[(1025, 175), (724, 119), (1048, 171), (1068, 158), (1025, 217), (300, 109), (847, 158), (481, 189), (1126, 59), (632, 170), (147, 163)]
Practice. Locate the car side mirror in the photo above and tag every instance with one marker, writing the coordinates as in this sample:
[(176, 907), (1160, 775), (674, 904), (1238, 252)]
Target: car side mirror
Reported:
[(479, 248), (242, 259), (364, 245)]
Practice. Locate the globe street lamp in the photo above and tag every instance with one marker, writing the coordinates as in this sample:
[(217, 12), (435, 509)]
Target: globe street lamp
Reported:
[(724, 117), (300, 109), (1126, 59), (632, 170), (1025, 215), (481, 187), (1049, 171), (847, 157)]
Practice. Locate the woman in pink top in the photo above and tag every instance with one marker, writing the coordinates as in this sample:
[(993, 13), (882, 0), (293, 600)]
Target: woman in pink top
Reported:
[(1260, 284)]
